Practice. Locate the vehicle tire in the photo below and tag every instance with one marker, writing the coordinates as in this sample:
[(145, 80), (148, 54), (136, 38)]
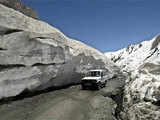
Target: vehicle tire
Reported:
[(83, 87), (99, 86), (105, 83)]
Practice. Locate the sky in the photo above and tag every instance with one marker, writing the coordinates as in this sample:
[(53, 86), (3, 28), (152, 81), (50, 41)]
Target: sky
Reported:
[(107, 25)]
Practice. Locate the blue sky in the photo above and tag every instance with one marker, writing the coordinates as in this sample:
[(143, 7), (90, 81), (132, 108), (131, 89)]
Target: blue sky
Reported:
[(107, 25)]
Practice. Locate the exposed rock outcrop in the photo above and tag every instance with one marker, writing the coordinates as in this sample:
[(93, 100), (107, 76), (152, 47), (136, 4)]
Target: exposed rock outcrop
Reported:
[(35, 56), (19, 6), (142, 90)]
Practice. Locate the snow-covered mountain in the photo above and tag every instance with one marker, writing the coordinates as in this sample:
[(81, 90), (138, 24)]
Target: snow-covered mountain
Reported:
[(142, 90), (133, 56)]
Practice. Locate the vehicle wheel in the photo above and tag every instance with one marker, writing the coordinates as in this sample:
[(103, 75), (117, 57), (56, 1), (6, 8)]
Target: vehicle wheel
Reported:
[(83, 87), (105, 83), (99, 86)]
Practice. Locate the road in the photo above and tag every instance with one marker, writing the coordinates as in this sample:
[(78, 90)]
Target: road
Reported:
[(66, 104), (71, 103)]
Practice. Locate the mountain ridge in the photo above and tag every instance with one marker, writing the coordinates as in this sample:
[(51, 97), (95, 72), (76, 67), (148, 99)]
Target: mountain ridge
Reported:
[(133, 56)]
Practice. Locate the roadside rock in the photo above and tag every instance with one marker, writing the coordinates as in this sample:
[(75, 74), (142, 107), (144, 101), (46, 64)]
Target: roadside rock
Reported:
[(142, 94), (19, 6), (143, 111)]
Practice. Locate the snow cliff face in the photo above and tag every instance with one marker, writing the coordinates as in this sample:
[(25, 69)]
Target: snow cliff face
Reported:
[(35, 56), (142, 90)]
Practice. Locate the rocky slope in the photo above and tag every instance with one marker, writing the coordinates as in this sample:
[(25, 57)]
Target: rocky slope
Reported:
[(142, 91), (19, 6)]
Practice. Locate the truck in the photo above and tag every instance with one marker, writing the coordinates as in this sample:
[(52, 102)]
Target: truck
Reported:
[(96, 78)]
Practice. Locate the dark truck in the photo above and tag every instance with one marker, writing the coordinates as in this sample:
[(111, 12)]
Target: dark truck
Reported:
[(94, 78)]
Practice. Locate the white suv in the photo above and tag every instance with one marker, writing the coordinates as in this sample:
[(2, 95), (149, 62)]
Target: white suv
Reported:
[(94, 78)]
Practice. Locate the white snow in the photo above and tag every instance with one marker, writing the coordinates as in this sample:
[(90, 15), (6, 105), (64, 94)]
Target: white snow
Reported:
[(133, 56), (143, 62)]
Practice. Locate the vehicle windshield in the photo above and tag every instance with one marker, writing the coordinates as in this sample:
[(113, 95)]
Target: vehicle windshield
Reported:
[(94, 74)]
